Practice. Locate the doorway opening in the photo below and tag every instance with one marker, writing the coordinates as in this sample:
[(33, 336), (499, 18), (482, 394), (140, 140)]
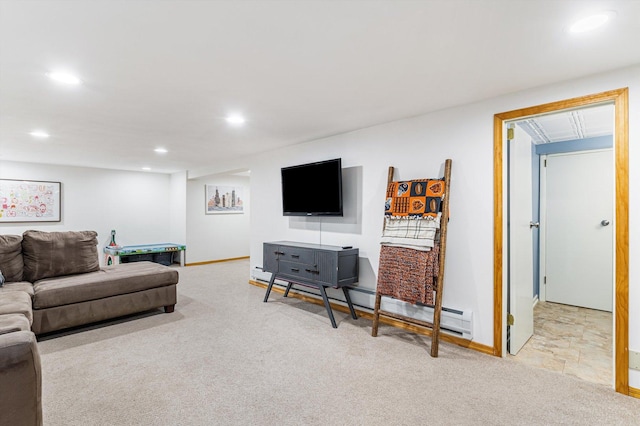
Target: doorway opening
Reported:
[(619, 98), (566, 199)]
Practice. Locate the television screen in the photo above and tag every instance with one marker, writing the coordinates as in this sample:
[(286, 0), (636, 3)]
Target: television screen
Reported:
[(313, 189)]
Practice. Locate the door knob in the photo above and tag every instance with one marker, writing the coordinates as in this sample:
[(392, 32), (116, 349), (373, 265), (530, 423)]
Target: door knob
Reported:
[(534, 224), (604, 222)]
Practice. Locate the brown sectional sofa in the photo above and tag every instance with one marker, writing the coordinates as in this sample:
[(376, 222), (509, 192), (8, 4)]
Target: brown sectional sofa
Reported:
[(54, 281)]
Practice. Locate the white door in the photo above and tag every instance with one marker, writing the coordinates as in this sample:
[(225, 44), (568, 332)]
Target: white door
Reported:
[(520, 247), (579, 229)]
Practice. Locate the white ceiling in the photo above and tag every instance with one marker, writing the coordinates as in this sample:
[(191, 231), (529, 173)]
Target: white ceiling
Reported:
[(576, 124), (165, 73)]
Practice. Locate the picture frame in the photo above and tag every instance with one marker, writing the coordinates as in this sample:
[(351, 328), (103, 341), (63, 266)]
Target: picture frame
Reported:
[(223, 199), (29, 201)]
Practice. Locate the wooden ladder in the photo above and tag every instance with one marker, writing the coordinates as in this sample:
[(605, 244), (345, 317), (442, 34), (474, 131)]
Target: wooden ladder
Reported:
[(438, 288)]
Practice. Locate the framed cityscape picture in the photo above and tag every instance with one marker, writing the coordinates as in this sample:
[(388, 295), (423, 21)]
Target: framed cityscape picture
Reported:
[(29, 201), (223, 199)]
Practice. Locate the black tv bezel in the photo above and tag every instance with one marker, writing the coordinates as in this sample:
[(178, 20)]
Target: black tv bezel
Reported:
[(339, 213)]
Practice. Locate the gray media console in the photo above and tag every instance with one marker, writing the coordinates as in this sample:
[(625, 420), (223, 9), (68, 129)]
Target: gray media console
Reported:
[(312, 265)]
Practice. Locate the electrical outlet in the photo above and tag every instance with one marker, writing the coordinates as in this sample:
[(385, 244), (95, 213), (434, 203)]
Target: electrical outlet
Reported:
[(634, 360)]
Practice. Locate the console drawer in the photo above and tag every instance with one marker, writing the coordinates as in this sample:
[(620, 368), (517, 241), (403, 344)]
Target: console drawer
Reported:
[(297, 254), (296, 270)]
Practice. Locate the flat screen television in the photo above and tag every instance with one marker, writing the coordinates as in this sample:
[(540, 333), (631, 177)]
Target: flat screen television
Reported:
[(313, 189)]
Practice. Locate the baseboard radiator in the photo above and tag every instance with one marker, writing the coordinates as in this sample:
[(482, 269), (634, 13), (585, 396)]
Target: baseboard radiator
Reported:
[(452, 321)]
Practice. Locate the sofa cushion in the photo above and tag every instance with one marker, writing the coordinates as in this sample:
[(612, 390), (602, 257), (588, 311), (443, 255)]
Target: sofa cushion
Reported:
[(54, 254), (16, 302), (11, 263), (10, 323), (23, 286), (110, 281)]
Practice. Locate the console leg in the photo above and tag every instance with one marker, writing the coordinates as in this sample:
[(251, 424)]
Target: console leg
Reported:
[(169, 308), (345, 290), (266, 296), (286, 292), (328, 306)]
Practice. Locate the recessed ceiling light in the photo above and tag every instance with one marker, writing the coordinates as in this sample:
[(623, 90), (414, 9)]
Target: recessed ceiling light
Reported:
[(39, 134), (146, 169), (64, 78), (161, 150), (235, 119), (591, 22)]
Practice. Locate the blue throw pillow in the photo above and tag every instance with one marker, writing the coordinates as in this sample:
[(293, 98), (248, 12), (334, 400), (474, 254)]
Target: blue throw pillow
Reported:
[(1, 279)]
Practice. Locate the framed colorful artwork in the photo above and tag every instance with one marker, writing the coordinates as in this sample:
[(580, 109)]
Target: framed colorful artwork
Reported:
[(29, 201), (223, 199)]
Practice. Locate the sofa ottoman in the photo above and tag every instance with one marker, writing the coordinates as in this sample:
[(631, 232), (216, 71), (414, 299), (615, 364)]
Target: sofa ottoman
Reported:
[(113, 291)]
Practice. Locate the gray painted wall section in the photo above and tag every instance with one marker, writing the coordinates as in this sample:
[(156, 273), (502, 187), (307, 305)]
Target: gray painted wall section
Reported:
[(586, 144)]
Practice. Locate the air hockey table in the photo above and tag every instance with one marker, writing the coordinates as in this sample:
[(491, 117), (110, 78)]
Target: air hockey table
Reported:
[(160, 253)]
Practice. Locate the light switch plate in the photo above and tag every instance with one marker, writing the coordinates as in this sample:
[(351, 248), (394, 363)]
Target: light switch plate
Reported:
[(634, 360)]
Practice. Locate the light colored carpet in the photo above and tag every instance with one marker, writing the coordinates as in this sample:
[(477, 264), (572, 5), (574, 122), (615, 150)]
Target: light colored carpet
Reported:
[(225, 358)]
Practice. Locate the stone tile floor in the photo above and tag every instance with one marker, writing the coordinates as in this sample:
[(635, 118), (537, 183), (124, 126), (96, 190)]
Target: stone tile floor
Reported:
[(571, 340)]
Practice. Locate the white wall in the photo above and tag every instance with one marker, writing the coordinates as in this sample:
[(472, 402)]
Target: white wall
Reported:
[(178, 208), (216, 236), (132, 203), (143, 208), (417, 148)]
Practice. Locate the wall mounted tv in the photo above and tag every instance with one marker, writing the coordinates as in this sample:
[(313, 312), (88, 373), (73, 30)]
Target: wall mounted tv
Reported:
[(313, 189)]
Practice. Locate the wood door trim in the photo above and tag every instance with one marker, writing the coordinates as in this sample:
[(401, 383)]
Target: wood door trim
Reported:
[(620, 98)]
